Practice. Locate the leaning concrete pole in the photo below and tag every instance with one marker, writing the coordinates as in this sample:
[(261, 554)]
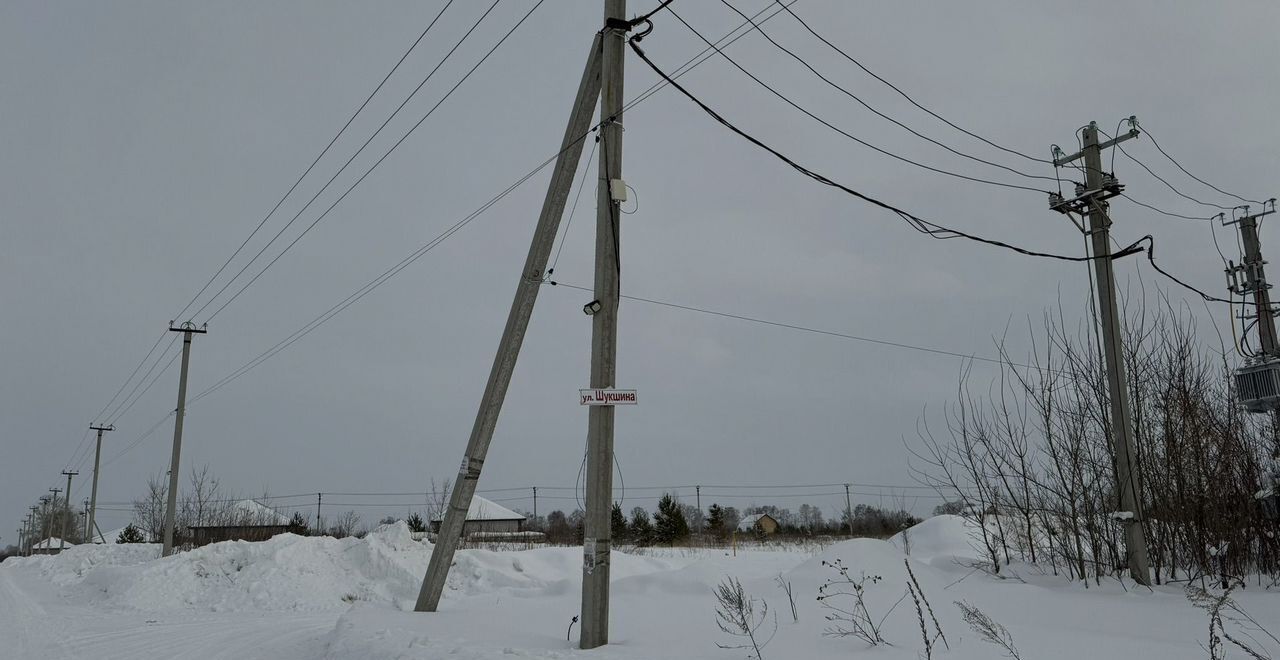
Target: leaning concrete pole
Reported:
[(597, 534), (93, 493), (504, 362), (170, 513)]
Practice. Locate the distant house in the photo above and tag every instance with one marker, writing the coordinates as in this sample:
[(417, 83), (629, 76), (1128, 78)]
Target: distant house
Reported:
[(249, 520), (50, 546), (486, 517), (764, 521)]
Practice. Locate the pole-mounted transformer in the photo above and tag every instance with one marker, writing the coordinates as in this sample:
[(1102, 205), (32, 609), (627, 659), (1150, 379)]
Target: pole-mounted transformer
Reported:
[(1258, 380)]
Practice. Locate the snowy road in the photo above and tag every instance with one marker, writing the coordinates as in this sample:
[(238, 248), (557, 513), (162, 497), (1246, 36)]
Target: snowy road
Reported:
[(36, 623)]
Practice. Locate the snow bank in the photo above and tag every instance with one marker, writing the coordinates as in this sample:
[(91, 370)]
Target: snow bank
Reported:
[(296, 573)]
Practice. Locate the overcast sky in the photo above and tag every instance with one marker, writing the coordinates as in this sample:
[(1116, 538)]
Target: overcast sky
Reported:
[(141, 142)]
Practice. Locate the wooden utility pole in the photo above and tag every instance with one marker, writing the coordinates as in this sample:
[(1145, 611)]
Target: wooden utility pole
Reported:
[(597, 533), (170, 512), (97, 462), (319, 498), (1090, 200), (66, 518), (504, 362)]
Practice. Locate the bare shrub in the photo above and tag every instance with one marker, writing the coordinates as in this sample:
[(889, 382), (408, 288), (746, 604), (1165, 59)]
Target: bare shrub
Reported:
[(988, 629), (1222, 608), (785, 586), (845, 599), (736, 615)]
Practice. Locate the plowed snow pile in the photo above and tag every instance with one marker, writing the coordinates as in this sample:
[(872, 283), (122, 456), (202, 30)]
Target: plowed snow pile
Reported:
[(348, 599), (297, 573)]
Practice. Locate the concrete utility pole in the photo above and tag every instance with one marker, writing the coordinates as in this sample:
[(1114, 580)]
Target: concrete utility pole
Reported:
[(698, 495), (66, 518), (84, 515), (97, 462), (319, 498), (48, 522), (535, 505), (504, 362), (848, 509), (597, 533), (187, 329), (31, 529), (1090, 200), (1255, 277)]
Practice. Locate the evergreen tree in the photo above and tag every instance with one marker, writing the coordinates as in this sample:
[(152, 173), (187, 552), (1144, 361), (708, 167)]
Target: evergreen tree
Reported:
[(715, 521), (617, 523), (669, 524), (298, 523), (130, 534), (415, 523), (641, 528)]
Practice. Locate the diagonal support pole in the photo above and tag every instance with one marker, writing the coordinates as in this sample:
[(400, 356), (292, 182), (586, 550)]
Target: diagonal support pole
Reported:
[(504, 362)]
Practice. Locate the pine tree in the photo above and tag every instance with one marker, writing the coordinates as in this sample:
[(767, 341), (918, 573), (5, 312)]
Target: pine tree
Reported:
[(669, 524), (415, 523), (641, 528), (298, 523), (617, 523), (130, 534), (715, 521)]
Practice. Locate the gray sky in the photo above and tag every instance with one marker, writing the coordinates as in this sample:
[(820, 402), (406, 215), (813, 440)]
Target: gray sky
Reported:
[(142, 141)]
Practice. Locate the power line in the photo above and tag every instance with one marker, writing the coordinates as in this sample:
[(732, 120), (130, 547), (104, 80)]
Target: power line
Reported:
[(903, 94), (160, 373), (113, 414), (417, 254), (816, 331), (932, 229), (877, 112), (837, 129), (1147, 131), (1168, 213), (693, 62), (317, 158), (357, 153)]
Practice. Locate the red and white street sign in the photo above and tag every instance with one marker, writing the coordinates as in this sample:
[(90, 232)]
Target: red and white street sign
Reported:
[(607, 397)]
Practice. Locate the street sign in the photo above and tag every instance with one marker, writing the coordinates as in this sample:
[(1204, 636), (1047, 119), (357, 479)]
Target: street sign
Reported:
[(607, 397)]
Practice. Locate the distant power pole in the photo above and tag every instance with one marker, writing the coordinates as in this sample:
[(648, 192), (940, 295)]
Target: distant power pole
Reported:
[(93, 492), (848, 509), (84, 515), (1090, 200), (535, 505), (504, 361), (66, 518), (698, 495), (31, 528), (187, 329), (319, 528), (48, 522)]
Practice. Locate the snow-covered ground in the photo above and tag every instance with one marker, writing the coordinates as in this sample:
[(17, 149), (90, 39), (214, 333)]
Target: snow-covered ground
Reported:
[(295, 597)]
